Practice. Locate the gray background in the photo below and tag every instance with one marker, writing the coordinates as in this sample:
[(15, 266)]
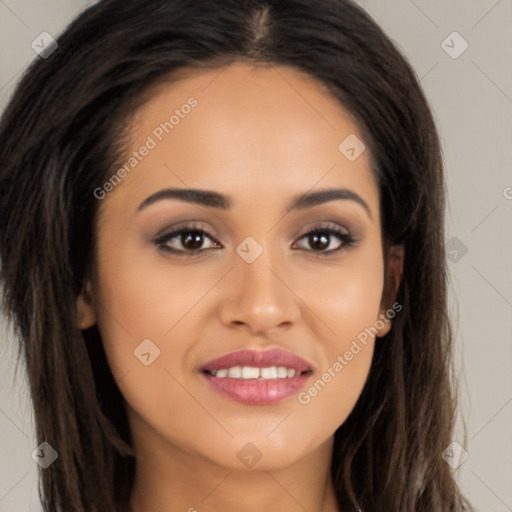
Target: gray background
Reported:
[(471, 96)]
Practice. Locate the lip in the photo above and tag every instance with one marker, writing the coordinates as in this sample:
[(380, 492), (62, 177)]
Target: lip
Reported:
[(255, 391)]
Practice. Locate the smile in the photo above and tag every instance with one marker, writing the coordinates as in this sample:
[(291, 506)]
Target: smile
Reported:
[(256, 377)]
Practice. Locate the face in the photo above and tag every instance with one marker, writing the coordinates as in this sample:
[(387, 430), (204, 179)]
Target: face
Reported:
[(179, 283)]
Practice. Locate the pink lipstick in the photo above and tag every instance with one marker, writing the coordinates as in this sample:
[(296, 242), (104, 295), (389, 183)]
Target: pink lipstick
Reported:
[(256, 377)]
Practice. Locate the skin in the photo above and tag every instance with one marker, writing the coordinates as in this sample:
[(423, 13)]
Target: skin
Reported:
[(261, 136)]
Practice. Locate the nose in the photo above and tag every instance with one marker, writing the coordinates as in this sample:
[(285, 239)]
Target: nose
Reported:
[(258, 298)]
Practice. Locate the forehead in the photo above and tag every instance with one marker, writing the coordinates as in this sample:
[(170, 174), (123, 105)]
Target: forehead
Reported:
[(243, 128)]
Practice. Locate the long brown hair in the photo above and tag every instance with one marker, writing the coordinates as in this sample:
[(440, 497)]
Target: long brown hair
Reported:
[(61, 137)]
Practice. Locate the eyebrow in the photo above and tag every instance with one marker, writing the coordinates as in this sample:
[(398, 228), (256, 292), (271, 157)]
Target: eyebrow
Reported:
[(216, 200)]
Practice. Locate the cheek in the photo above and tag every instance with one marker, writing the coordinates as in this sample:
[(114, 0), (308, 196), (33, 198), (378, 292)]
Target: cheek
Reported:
[(345, 297), (141, 298), (346, 300), (147, 315)]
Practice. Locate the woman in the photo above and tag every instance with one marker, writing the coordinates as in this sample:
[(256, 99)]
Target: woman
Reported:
[(222, 249)]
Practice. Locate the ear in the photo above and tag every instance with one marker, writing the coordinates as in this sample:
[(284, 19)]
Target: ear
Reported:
[(395, 265), (84, 307)]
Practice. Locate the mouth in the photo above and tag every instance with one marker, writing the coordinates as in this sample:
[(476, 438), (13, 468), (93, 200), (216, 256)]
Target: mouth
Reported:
[(255, 377)]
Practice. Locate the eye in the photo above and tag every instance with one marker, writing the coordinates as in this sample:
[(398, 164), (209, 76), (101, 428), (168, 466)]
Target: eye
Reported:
[(321, 238), (190, 237)]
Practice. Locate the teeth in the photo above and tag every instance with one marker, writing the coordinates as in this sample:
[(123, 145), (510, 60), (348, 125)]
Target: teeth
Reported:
[(235, 372), (269, 373), (251, 372), (281, 372)]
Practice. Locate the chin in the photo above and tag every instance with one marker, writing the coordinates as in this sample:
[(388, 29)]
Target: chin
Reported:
[(262, 453)]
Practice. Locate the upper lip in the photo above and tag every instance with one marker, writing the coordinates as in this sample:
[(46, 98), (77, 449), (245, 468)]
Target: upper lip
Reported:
[(258, 359)]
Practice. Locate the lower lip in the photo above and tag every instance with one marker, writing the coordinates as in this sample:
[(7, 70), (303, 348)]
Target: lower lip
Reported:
[(257, 392)]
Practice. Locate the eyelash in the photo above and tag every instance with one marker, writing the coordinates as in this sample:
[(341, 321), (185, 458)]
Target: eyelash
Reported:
[(348, 239)]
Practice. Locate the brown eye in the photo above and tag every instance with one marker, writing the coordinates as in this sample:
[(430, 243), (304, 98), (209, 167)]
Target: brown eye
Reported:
[(188, 239), (192, 240), (321, 238)]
